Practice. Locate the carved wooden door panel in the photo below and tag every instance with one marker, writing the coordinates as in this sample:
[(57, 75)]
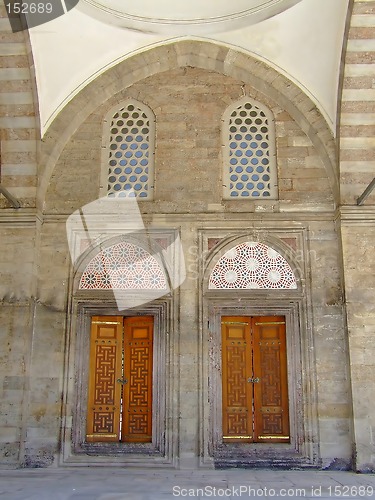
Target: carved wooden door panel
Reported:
[(104, 395), (237, 368), (254, 374), (271, 408), (120, 379), (137, 413)]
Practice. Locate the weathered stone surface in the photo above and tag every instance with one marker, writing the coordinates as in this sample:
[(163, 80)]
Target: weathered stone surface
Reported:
[(44, 361)]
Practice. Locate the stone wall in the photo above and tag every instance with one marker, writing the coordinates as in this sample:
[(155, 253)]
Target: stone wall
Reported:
[(16, 320), (18, 123), (18, 168), (358, 242), (188, 104), (188, 85), (46, 372), (331, 349), (357, 155)]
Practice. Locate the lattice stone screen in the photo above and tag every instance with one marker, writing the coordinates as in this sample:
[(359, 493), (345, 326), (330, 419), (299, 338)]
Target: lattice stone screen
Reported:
[(252, 265), (129, 140), (123, 266), (249, 152)]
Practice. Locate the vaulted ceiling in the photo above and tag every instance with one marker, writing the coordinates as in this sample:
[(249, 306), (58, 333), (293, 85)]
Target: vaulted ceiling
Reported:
[(302, 39)]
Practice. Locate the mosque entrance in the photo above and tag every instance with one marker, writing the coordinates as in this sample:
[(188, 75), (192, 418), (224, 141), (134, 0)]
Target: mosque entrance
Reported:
[(120, 379), (254, 380)]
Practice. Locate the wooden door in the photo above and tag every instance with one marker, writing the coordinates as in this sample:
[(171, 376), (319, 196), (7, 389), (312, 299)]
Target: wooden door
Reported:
[(104, 394), (271, 408), (237, 368), (120, 379), (137, 412), (254, 372)]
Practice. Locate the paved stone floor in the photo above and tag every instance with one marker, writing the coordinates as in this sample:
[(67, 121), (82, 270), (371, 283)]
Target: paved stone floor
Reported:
[(121, 484)]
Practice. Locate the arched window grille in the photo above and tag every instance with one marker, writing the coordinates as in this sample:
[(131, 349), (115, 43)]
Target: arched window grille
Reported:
[(129, 141), (249, 151), (252, 265), (123, 266)]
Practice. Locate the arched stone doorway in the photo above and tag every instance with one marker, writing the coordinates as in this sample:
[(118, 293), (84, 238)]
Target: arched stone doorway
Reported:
[(117, 388), (255, 357)]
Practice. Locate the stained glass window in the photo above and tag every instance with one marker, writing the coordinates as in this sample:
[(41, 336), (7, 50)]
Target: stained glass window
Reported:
[(249, 154), (252, 265)]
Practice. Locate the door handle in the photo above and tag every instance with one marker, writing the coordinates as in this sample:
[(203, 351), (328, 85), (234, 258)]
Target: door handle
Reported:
[(253, 380), (122, 380)]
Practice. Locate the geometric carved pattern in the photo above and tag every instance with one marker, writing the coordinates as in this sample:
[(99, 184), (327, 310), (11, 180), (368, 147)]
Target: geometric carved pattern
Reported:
[(271, 396), (139, 371), (272, 424), (105, 375), (120, 379), (104, 393), (270, 367), (237, 424), (252, 265), (137, 422), (237, 416), (236, 376), (254, 374), (123, 266), (103, 422)]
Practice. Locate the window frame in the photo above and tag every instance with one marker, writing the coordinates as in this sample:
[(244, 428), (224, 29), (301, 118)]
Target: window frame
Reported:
[(225, 135), (106, 142)]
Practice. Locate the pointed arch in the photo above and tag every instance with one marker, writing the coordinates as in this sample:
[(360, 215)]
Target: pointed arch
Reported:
[(201, 54)]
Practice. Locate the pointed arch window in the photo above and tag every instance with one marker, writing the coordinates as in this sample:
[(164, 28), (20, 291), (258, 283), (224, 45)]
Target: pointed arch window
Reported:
[(129, 141), (249, 151)]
